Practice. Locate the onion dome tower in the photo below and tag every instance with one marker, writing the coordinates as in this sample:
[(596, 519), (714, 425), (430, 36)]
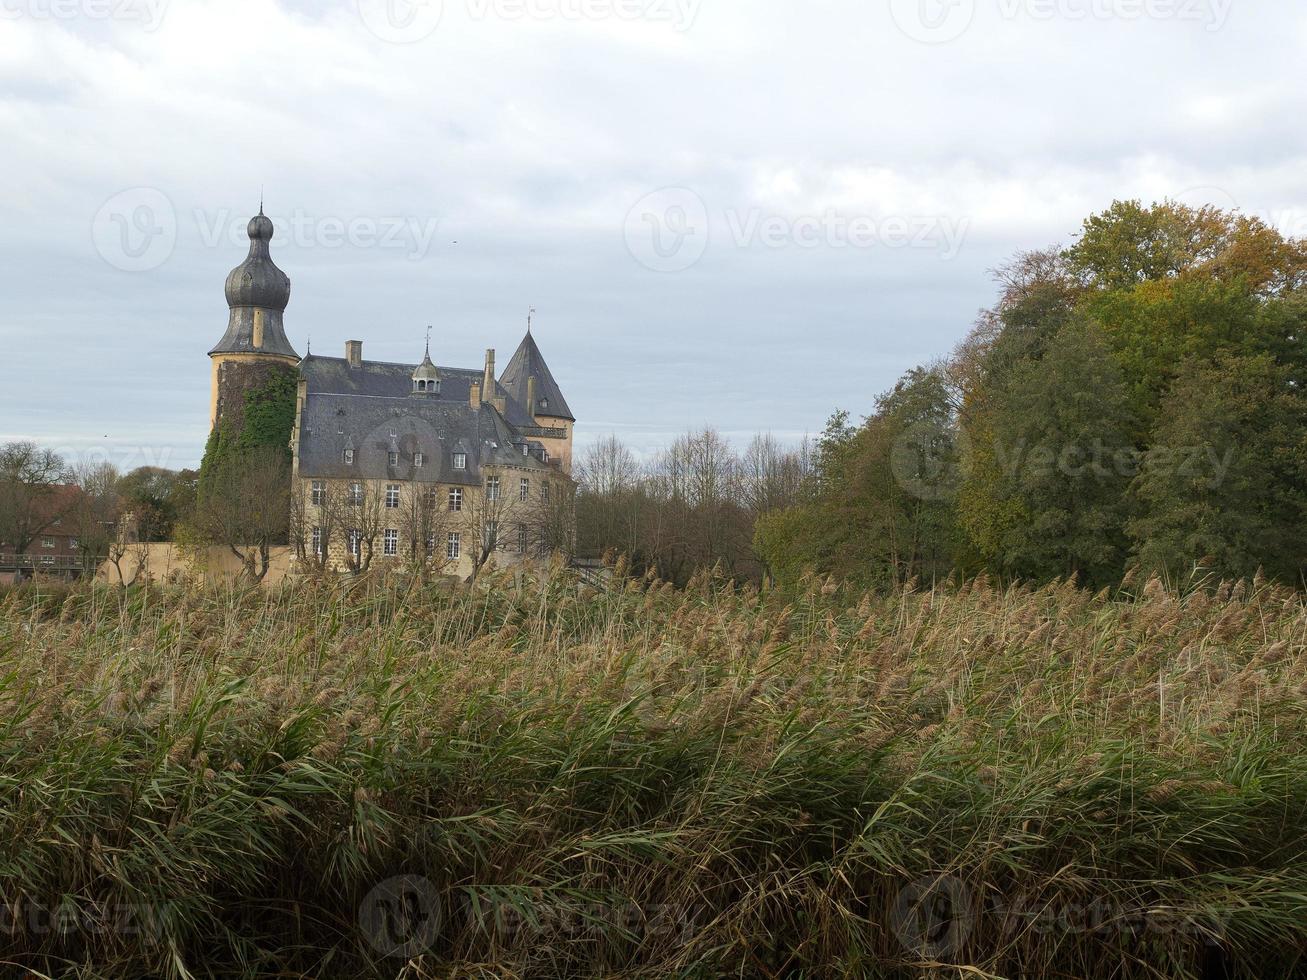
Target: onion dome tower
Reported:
[(255, 341)]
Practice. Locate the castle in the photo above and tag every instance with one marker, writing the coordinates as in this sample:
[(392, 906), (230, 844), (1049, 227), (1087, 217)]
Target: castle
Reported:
[(437, 467)]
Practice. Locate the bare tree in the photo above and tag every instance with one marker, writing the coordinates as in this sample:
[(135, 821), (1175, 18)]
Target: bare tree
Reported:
[(488, 513), (364, 517), (244, 506), (317, 519), (551, 518), (611, 501), (95, 512), (424, 523), (771, 476), (29, 498)]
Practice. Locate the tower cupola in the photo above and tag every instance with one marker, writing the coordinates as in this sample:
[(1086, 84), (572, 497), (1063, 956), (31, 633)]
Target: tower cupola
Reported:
[(257, 281), (426, 378), (257, 295)]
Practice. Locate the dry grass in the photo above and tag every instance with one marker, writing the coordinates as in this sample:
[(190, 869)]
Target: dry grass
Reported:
[(959, 782)]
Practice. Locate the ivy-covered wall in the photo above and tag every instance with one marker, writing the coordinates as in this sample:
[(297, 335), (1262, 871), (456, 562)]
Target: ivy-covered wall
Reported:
[(256, 407)]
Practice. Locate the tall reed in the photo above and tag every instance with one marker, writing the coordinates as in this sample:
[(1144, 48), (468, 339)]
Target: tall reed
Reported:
[(533, 779)]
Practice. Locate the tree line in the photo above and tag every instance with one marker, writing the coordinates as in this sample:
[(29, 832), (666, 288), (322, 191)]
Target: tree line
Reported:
[(1133, 400)]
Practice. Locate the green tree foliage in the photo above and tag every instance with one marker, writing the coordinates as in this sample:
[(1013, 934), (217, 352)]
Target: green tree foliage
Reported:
[(157, 498), (1044, 448), (1224, 484), (1057, 463), (881, 512)]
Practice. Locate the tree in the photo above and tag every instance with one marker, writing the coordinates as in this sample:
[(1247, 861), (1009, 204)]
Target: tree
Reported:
[(1225, 480), (882, 508), (424, 523), (1044, 491), (317, 520), (95, 515), (157, 498), (771, 476), (610, 501), (29, 501), (364, 517), (244, 505), (488, 513)]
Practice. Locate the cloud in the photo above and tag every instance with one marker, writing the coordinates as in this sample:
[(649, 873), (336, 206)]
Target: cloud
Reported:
[(526, 132)]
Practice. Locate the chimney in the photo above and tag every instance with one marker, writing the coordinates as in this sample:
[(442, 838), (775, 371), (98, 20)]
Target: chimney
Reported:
[(354, 353), (488, 380), (531, 395), (476, 394)]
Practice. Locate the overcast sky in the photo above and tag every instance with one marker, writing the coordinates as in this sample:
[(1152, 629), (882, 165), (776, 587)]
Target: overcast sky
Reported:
[(743, 213)]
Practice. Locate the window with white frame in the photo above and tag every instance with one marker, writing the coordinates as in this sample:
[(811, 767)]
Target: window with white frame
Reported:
[(460, 461), (72, 544), (354, 542), (524, 489), (392, 496), (390, 542), (349, 457), (544, 492), (492, 488), (522, 539), (356, 494), (429, 498), (316, 543), (455, 498), (431, 544), (392, 458), (319, 492), (453, 545), (47, 542), (417, 459), (490, 535)]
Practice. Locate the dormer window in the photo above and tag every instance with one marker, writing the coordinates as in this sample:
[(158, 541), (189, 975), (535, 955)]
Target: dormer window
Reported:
[(349, 457), (544, 402), (417, 459), (460, 461)]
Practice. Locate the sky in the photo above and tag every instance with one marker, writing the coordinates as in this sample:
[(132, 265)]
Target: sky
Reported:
[(736, 213)]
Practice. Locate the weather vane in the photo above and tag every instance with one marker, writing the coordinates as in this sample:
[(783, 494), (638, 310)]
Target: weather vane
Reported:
[(529, 313)]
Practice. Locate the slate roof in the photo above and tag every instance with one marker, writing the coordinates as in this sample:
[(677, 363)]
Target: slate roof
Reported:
[(526, 362), (388, 379), (376, 425), (373, 410)]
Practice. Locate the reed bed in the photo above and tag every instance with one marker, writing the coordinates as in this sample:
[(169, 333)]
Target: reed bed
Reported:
[(532, 779)]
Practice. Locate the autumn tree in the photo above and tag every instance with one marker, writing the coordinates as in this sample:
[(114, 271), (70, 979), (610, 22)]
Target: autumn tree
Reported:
[(29, 502)]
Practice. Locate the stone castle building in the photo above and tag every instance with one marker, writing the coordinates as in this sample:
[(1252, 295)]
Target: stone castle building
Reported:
[(441, 468)]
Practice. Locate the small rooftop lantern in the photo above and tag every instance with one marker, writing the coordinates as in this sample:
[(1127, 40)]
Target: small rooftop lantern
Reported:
[(426, 379)]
